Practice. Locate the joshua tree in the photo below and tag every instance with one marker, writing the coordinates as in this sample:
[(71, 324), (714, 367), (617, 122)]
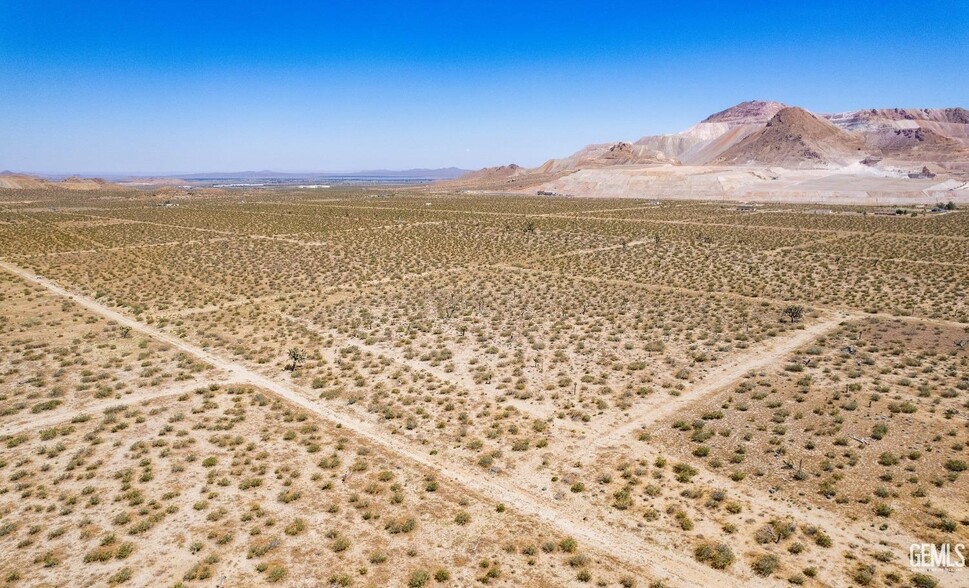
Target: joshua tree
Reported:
[(297, 355), (449, 302), (795, 313)]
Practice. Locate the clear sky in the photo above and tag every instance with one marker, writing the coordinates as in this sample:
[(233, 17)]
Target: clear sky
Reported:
[(170, 86)]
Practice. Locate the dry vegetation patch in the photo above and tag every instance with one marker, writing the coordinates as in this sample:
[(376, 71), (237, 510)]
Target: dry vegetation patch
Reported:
[(520, 343), (56, 358), (868, 423), (232, 482)]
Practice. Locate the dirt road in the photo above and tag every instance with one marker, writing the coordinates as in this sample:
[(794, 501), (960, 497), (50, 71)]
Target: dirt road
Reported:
[(617, 543), (60, 416), (776, 349)]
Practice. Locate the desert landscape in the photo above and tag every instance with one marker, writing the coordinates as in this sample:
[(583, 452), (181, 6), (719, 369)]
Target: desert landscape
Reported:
[(422, 387), (484, 294)]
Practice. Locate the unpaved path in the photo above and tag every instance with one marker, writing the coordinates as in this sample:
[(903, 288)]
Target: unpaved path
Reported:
[(852, 312), (598, 249), (845, 533), (618, 543), (38, 422), (398, 356), (619, 441), (125, 247), (766, 504), (590, 215), (727, 374), (807, 244)]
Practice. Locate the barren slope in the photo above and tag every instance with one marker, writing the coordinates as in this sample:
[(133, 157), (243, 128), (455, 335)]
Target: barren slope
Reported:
[(796, 138), (919, 135), (20, 182), (603, 155), (26, 182)]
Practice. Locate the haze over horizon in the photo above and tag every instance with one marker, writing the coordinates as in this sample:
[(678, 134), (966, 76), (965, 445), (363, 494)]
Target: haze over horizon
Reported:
[(124, 87)]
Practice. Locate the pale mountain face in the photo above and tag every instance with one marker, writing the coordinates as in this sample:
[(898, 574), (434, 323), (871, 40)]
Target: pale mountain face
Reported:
[(750, 112)]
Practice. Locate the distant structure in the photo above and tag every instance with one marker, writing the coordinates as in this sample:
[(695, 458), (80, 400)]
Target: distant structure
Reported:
[(926, 173)]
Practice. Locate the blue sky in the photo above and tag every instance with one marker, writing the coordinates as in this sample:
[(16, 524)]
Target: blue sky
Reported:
[(135, 86)]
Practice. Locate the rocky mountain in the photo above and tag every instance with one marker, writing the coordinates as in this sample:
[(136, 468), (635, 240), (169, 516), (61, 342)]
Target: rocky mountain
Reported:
[(718, 132), (766, 133), (504, 177), (903, 135), (923, 134), (795, 138), (750, 112), (951, 122), (762, 150), (604, 155), (501, 172)]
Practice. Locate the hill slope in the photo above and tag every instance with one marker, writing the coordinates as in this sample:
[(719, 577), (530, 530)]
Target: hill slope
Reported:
[(708, 139), (795, 138), (604, 155), (12, 181), (923, 135)]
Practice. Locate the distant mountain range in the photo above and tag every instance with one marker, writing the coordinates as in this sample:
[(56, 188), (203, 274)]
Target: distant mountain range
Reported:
[(417, 173), (755, 150), (12, 180)]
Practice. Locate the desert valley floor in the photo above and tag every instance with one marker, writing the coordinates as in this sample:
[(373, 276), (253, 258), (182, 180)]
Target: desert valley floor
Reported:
[(368, 388)]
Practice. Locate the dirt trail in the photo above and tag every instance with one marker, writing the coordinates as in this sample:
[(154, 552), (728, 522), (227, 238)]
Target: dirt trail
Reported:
[(829, 234), (806, 244), (770, 351), (618, 543), (598, 249), (693, 222), (37, 422), (629, 283), (397, 356), (155, 224), (845, 533), (766, 504), (899, 260), (125, 247), (333, 294), (724, 294), (720, 378), (618, 440)]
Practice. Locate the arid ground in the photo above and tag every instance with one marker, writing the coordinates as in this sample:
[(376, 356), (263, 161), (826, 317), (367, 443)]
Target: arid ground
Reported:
[(369, 388)]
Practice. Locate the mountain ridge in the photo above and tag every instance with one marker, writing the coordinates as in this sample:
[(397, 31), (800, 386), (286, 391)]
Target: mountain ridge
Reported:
[(899, 135), (763, 150)]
